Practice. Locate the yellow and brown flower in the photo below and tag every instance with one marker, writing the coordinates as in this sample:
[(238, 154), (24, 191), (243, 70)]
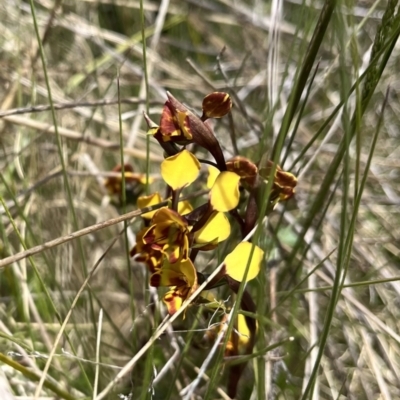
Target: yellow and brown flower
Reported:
[(145, 253), (284, 184), (168, 234), (181, 277), (134, 182), (179, 125)]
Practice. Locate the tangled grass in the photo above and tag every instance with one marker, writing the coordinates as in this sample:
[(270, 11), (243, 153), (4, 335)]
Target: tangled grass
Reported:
[(314, 86)]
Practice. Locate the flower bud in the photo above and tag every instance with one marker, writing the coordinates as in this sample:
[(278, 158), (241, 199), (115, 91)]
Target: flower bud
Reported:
[(284, 184), (246, 169), (216, 105)]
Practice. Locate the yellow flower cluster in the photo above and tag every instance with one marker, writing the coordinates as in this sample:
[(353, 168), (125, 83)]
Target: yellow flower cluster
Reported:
[(172, 236)]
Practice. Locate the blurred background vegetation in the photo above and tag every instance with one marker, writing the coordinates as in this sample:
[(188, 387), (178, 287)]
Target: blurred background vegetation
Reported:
[(329, 291)]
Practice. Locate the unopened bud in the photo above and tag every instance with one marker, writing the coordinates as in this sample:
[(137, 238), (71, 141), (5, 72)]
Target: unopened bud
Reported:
[(216, 105)]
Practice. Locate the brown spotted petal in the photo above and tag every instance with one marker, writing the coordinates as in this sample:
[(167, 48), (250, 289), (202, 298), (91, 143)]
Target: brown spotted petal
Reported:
[(174, 125), (174, 299), (216, 105), (287, 182), (246, 169)]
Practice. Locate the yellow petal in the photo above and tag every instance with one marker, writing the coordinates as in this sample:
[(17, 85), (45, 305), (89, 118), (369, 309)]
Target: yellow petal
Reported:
[(180, 170), (212, 176), (243, 330), (217, 228), (153, 131), (180, 274), (237, 261), (184, 207), (166, 277), (189, 271), (224, 195), (167, 216), (147, 201), (143, 179)]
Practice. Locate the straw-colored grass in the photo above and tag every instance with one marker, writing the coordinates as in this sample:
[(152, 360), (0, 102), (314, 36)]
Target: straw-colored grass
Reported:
[(77, 316)]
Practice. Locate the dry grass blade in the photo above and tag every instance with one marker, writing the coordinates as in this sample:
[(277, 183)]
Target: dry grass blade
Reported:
[(76, 136), (330, 279)]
